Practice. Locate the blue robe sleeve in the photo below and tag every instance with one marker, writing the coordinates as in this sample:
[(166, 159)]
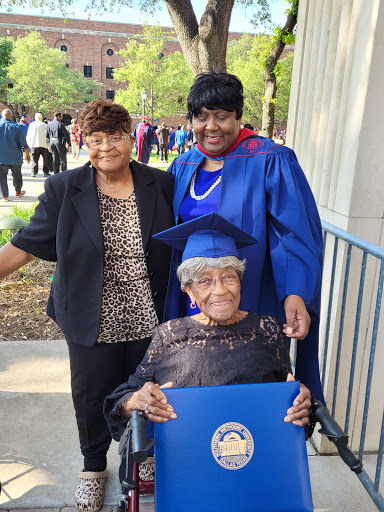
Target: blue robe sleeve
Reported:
[(294, 229)]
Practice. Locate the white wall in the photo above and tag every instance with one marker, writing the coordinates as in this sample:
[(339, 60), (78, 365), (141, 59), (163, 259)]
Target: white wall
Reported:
[(335, 126)]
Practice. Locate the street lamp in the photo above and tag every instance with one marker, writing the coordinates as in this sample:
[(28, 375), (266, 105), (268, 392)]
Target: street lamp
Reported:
[(143, 99), (77, 114)]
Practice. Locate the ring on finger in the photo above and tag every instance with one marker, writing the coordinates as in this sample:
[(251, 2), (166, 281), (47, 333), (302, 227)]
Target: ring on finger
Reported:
[(146, 409)]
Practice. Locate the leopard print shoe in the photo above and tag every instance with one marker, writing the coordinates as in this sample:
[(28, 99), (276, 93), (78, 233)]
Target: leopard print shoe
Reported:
[(147, 477), (90, 490)]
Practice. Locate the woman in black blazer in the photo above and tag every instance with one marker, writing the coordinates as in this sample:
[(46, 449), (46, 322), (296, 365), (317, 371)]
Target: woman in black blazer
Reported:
[(109, 287)]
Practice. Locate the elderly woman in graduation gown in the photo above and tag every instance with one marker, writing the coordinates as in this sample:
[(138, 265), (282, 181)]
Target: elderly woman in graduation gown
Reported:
[(260, 187), (220, 345)]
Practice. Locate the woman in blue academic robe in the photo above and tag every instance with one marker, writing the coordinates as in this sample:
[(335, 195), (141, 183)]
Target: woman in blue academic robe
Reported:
[(260, 187)]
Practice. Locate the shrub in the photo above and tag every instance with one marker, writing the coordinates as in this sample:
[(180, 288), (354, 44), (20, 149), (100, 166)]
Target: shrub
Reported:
[(21, 213)]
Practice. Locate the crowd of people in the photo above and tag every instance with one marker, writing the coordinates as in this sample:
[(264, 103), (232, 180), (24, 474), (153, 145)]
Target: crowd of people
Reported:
[(195, 276), (52, 140), (30, 140)]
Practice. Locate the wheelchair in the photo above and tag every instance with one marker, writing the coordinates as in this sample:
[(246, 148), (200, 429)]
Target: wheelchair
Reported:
[(134, 447)]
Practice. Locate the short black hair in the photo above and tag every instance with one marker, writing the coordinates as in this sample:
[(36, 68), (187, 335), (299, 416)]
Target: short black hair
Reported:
[(215, 91)]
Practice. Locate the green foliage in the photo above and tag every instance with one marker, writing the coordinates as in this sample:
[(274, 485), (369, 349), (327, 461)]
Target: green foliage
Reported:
[(246, 59), (261, 18), (6, 47), (21, 213), (243, 60), (278, 33), (41, 79), (166, 79)]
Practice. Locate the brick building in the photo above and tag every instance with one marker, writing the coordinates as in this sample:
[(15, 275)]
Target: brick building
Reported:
[(90, 45)]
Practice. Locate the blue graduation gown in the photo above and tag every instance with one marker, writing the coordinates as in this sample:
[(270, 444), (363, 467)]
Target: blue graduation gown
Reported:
[(149, 138), (264, 191)]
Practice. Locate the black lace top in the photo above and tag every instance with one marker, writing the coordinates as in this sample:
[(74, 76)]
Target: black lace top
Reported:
[(190, 354)]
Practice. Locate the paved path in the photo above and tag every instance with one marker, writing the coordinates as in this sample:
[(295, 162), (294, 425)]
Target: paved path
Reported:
[(35, 186)]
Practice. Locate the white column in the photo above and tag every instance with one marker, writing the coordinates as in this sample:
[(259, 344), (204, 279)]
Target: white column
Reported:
[(335, 126)]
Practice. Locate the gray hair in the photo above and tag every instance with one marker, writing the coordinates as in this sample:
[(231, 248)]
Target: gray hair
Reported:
[(38, 116), (190, 268)]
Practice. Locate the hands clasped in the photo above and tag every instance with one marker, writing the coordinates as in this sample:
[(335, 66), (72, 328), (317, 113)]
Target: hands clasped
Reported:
[(152, 401)]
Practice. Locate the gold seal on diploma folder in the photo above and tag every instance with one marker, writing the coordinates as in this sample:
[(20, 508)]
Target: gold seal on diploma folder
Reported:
[(232, 445)]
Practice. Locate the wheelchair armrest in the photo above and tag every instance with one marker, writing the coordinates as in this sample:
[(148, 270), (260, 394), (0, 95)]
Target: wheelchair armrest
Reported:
[(335, 434), (140, 443)]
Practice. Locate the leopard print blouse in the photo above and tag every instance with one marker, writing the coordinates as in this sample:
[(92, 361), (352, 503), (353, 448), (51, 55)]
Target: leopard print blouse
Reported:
[(127, 312)]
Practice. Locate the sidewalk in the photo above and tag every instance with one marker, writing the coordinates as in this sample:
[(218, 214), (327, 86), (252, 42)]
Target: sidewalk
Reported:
[(35, 186), (39, 448)]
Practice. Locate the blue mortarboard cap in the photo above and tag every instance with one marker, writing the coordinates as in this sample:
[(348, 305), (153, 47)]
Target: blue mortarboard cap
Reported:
[(209, 236)]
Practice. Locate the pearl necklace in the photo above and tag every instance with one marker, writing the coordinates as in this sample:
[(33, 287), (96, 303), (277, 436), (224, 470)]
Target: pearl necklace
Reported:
[(206, 194)]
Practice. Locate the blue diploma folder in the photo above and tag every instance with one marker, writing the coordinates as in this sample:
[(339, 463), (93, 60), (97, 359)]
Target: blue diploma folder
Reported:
[(229, 449)]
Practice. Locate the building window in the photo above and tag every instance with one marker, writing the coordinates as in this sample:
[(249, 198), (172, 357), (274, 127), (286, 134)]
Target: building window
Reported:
[(88, 71), (63, 48), (110, 95), (110, 73), (110, 52)]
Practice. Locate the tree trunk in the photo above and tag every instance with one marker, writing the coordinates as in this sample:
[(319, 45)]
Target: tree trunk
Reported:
[(205, 45), (270, 79)]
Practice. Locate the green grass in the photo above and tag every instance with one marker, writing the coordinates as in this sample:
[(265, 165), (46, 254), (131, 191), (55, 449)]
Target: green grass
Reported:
[(21, 213), (171, 157)]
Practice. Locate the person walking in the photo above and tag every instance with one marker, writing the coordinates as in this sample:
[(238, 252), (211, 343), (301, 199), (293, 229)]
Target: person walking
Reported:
[(172, 136), (12, 147), (24, 123), (75, 132), (144, 138), (181, 137), (163, 136), (189, 137), (57, 137), (36, 140)]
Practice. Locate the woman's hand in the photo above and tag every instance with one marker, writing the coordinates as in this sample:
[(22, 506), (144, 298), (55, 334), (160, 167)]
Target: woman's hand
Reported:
[(298, 414), (152, 401), (297, 317)]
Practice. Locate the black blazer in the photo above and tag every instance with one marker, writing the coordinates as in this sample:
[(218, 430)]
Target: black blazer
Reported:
[(66, 228)]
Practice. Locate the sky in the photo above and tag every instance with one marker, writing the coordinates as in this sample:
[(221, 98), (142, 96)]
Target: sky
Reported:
[(129, 15)]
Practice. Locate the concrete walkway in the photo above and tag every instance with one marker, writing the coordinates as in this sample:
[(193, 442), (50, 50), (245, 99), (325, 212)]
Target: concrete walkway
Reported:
[(39, 452), (35, 186), (39, 448)]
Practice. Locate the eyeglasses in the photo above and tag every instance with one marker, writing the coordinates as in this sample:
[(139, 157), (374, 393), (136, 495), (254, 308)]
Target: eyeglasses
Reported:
[(113, 140)]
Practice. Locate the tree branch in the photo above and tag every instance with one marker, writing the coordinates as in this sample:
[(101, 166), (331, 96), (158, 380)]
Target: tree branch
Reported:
[(278, 47)]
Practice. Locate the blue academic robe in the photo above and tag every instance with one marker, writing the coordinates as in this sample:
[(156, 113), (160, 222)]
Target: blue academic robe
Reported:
[(264, 191), (149, 138)]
